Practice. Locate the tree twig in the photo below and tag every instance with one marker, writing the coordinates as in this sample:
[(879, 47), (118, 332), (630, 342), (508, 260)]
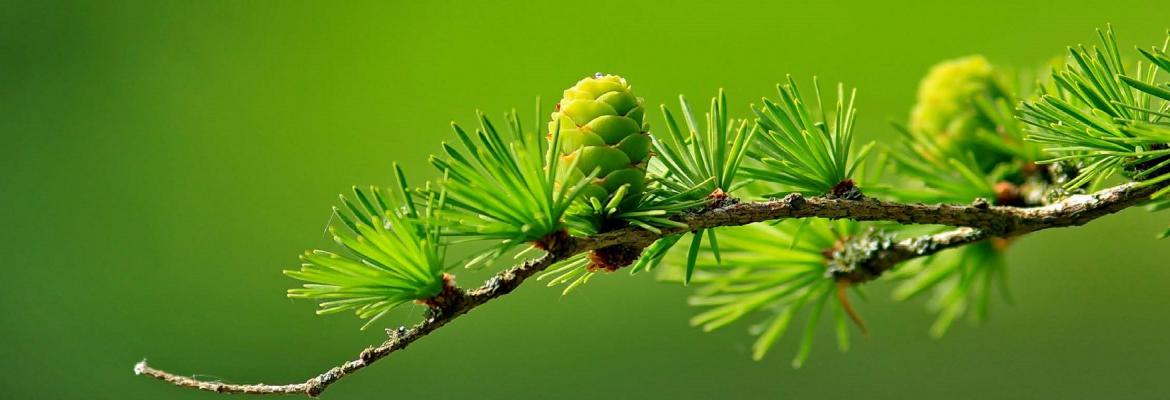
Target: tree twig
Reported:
[(977, 222)]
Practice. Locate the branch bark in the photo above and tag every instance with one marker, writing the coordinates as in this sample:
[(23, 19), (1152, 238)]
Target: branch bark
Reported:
[(976, 222)]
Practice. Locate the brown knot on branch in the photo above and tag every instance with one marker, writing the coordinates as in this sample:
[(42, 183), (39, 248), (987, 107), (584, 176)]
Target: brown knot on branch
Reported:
[(447, 298), (613, 258), (845, 190)]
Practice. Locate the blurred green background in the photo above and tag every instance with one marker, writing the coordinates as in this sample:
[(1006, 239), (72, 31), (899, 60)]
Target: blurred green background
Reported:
[(163, 161)]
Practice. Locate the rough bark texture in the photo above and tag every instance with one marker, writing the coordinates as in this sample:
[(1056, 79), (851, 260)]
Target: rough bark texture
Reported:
[(976, 222)]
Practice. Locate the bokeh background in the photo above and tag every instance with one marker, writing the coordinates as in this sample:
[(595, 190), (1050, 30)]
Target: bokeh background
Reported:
[(161, 162)]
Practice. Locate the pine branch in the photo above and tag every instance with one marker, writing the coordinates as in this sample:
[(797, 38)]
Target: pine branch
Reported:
[(976, 222), (499, 285)]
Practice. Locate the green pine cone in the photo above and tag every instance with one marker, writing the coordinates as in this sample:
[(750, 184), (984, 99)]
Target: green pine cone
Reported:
[(946, 109), (601, 124)]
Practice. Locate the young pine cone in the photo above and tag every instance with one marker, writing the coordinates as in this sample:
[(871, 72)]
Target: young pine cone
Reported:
[(601, 125)]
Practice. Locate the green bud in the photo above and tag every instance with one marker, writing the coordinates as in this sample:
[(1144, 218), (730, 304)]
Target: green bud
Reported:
[(946, 108), (601, 128)]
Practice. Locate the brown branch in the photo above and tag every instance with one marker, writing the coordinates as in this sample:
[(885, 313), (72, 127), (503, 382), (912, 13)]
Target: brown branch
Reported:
[(498, 285), (977, 222)]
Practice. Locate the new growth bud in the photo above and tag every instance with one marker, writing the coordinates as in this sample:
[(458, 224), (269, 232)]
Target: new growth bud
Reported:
[(946, 108)]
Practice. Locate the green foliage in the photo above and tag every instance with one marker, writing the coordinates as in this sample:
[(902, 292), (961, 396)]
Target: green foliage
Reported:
[(572, 272), (503, 187), (1160, 205), (775, 269), (959, 279), (653, 255), (970, 145), (708, 161), (802, 148), (1107, 118), (705, 165), (945, 177), (692, 168), (651, 212), (963, 137), (393, 254)]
